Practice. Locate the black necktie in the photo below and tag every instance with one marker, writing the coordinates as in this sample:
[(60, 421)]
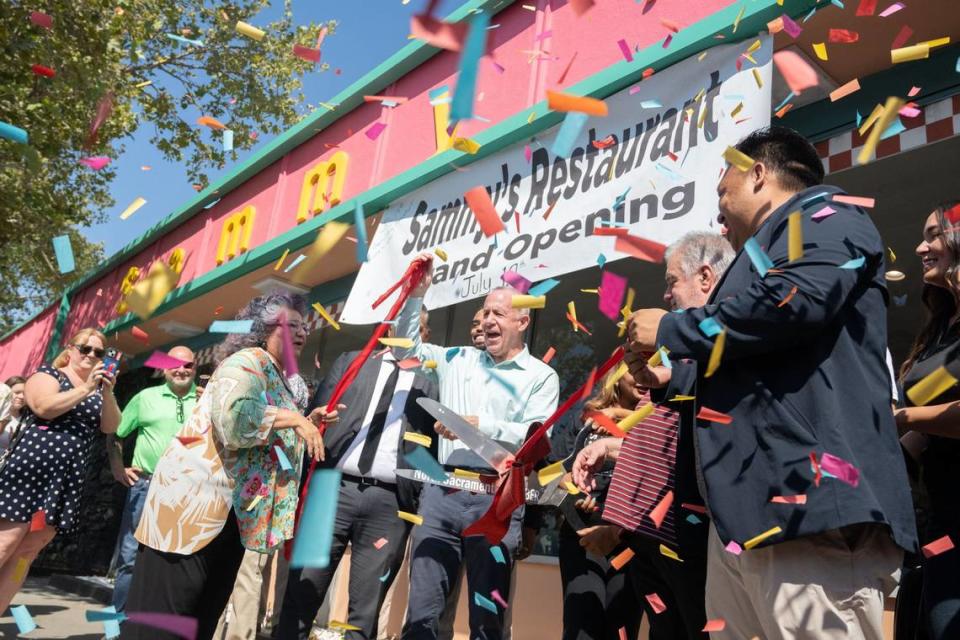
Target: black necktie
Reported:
[(370, 445)]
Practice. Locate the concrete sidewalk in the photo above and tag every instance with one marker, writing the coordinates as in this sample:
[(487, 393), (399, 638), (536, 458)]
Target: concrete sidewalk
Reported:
[(58, 614)]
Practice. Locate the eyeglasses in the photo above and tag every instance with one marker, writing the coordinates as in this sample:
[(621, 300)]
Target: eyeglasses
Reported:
[(86, 349), (295, 327)]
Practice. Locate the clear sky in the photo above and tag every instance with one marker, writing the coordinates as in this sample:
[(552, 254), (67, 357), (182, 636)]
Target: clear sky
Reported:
[(369, 31)]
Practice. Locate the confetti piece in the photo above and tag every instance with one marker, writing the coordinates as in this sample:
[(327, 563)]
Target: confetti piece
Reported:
[(311, 547), (931, 386), (430, 364), (866, 7), (486, 603), (231, 326), (227, 140), (497, 554), (892, 9), (550, 472), (141, 335), (96, 162), (938, 546), (902, 36), (757, 78), (786, 300), (64, 254), (132, 208), (733, 547), (441, 254), (417, 438), (308, 54), (528, 302), (360, 228), (761, 262), (38, 521), (148, 294), (797, 499), (499, 599), (544, 287), (566, 137), (484, 211), (855, 263), (844, 36), (754, 541), (908, 54), (466, 145), (401, 343), (842, 92), (625, 50), (669, 553), (380, 544), (41, 70), (706, 413), (655, 603), (622, 558), (160, 360), (640, 248), (840, 469), (211, 122), (738, 159), (183, 626), (795, 71), (823, 213), (11, 132), (820, 49), (249, 30), (567, 103), (636, 417), (23, 619), (438, 33), (659, 512), (710, 327), (41, 19), (282, 459), (794, 236), (463, 473), (461, 105), (883, 119), (188, 440), (612, 290), (716, 354), (548, 356), (343, 626), (385, 576), (516, 281), (323, 313), (717, 624), (614, 377), (375, 130), (421, 459)]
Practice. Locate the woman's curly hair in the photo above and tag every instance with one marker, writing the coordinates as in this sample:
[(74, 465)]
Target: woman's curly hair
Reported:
[(264, 311)]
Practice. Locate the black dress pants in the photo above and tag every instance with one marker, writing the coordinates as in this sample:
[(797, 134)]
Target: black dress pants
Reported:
[(197, 585)]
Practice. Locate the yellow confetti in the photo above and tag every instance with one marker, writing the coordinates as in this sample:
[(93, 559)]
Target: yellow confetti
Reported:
[(145, 83), (150, 292), (700, 95), (550, 473), (794, 236), (908, 54), (132, 208), (327, 105), (871, 119), (469, 475), (890, 111), (737, 109), (254, 502), (571, 488), (636, 417), (939, 42), (531, 117), (329, 235), (249, 30), (931, 386), (754, 541), (282, 258), (402, 343), (701, 56), (20, 570), (326, 315), (626, 311), (736, 21), (419, 438), (430, 364), (670, 553), (820, 48), (410, 517), (589, 290), (893, 256), (441, 253), (336, 624), (466, 145), (754, 47), (758, 78), (716, 353), (528, 302), (682, 398), (738, 159), (614, 377), (572, 310)]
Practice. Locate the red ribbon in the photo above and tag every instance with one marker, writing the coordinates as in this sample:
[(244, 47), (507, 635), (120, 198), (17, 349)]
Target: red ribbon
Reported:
[(510, 494), (406, 284)]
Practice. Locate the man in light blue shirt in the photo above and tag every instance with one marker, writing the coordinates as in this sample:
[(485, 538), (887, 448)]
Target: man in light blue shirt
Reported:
[(501, 390)]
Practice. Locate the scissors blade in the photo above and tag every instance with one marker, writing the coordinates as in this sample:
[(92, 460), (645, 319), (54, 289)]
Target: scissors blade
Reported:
[(478, 442)]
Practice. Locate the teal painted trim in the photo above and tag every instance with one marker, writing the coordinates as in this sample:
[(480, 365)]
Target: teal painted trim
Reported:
[(936, 77), (53, 346), (513, 129)]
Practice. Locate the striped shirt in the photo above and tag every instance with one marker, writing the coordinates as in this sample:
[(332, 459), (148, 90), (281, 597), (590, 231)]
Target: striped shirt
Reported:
[(645, 473)]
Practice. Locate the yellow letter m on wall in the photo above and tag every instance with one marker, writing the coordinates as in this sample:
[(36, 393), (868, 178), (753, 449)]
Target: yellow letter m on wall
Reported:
[(235, 234)]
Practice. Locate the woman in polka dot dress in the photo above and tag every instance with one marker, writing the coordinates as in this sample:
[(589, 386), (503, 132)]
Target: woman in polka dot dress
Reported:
[(67, 404)]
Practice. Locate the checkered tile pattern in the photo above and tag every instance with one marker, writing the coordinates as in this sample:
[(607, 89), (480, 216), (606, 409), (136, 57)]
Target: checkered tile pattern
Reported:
[(936, 121)]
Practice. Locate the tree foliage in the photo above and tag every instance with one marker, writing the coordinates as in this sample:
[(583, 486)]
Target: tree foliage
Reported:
[(120, 53)]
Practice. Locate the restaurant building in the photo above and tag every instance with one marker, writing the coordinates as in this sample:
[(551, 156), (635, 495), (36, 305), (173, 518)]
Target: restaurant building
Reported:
[(689, 67)]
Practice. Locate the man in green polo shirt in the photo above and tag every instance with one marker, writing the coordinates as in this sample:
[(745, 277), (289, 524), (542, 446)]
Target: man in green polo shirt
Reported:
[(156, 414)]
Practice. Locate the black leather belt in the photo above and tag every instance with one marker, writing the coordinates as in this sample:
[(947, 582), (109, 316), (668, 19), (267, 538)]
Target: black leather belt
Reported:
[(370, 482)]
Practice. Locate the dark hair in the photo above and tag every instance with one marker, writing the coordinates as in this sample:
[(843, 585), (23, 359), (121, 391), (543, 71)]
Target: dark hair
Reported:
[(12, 380), (941, 303), (263, 310), (787, 153)]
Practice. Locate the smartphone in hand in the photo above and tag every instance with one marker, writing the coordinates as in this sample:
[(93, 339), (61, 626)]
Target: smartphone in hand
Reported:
[(111, 363)]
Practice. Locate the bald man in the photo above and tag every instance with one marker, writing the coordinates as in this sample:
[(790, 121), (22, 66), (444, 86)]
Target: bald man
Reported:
[(156, 414)]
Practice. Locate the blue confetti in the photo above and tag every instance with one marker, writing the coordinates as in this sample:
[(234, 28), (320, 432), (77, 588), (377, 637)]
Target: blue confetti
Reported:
[(64, 252), (300, 258), (569, 132), (856, 263), (761, 261), (385, 576), (601, 260), (312, 547), (895, 128), (650, 104), (789, 97), (172, 36), (486, 603), (11, 132), (542, 288), (231, 326), (710, 327), (860, 117), (24, 620), (461, 107), (361, 227), (282, 459), (665, 358), (421, 459), (451, 353), (110, 618), (227, 140), (497, 554), (693, 519)]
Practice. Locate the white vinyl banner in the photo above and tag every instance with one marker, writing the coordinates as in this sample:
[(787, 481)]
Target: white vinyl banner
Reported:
[(651, 165)]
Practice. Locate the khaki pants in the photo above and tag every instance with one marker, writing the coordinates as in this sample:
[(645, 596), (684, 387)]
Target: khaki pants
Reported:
[(258, 589), (826, 586)]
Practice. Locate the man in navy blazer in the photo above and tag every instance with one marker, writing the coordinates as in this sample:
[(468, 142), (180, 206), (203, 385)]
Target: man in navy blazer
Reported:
[(808, 478)]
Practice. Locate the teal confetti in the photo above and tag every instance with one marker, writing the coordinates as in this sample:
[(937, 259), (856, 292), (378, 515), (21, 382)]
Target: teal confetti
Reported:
[(311, 547), (231, 326), (385, 576), (601, 260), (710, 327), (497, 554), (173, 36), (789, 97), (896, 127), (761, 261), (11, 132), (569, 131), (461, 107), (296, 261), (856, 263), (282, 458), (361, 227), (543, 288), (486, 603), (693, 519), (421, 459), (451, 353), (25, 623), (111, 621), (64, 252)]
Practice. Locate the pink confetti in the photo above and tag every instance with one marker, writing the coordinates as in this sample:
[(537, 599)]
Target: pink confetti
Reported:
[(733, 547), (375, 130), (892, 9), (856, 201), (41, 19), (655, 603), (379, 544), (516, 281), (543, 36), (795, 71), (717, 624), (823, 213), (634, 89), (96, 162), (792, 28), (527, 153), (843, 470), (160, 360), (409, 363), (667, 40), (498, 67), (797, 499), (180, 625), (938, 546), (612, 289), (902, 36), (866, 7), (625, 50), (308, 54), (495, 594), (910, 111), (288, 355), (913, 92)]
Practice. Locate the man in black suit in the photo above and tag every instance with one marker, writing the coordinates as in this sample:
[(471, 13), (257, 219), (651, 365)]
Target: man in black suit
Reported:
[(366, 445), (808, 477)]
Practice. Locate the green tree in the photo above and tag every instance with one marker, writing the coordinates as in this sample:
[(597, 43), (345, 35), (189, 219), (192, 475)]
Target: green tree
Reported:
[(119, 54)]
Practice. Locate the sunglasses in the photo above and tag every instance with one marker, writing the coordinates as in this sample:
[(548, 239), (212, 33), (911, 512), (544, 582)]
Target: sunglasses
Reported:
[(86, 350)]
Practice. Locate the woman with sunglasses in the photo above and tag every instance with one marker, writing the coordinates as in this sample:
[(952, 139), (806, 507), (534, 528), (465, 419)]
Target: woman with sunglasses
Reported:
[(228, 481), (41, 481)]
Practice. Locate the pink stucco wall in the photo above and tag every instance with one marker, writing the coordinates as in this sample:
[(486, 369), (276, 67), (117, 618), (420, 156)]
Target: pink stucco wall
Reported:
[(409, 136), (23, 352)]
